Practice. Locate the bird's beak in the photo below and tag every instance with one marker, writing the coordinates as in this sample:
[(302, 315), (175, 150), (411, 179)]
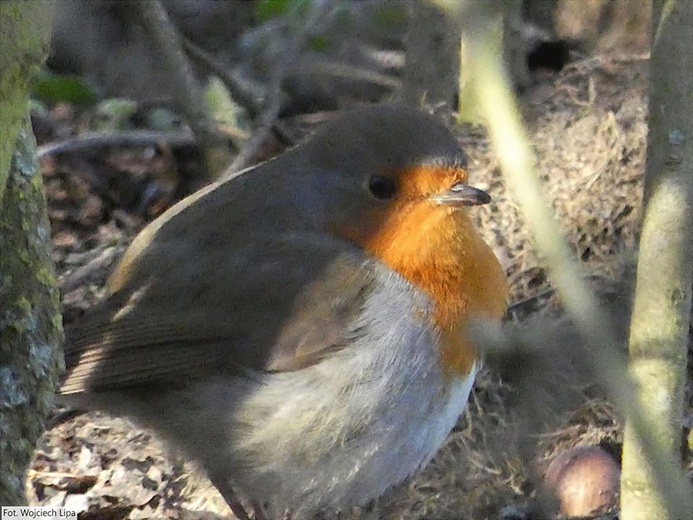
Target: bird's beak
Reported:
[(461, 195)]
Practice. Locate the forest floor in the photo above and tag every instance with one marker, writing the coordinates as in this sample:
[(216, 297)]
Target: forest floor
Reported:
[(588, 127)]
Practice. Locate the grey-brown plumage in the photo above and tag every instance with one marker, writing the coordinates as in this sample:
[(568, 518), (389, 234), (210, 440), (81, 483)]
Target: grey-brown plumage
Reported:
[(280, 328)]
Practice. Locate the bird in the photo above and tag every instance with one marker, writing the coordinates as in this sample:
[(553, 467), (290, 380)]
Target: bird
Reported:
[(300, 329)]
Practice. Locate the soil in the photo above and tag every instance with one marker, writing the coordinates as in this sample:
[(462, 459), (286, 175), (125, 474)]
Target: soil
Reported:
[(588, 127)]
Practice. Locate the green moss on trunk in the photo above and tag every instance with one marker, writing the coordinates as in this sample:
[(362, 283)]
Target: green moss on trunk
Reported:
[(30, 323), (25, 28)]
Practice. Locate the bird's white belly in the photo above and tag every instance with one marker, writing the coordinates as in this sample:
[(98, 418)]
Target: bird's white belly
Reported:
[(340, 432), (315, 443)]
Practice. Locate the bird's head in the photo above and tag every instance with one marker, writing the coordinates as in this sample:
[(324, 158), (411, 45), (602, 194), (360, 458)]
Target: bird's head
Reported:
[(393, 180)]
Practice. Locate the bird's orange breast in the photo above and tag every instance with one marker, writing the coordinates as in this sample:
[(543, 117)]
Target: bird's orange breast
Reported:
[(438, 249)]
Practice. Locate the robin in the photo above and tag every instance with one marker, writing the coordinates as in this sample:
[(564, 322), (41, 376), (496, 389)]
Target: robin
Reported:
[(300, 329)]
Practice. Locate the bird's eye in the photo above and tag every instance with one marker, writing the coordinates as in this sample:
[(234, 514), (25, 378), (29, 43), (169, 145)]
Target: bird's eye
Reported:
[(382, 188)]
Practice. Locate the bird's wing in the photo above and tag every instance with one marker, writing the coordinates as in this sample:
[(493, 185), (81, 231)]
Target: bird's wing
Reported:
[(270, 304)]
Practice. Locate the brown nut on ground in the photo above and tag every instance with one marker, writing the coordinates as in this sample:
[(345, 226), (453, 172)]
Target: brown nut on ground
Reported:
[(585, 480)]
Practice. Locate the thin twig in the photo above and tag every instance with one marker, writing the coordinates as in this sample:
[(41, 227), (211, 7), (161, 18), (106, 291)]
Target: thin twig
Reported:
[(188, 94), (327, 67), (274, 92), (98, 140), (240, 89), (59, 474), (84, 272)]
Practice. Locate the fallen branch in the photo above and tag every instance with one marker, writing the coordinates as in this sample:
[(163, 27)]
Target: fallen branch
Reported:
[(100, 140), (79, 276)]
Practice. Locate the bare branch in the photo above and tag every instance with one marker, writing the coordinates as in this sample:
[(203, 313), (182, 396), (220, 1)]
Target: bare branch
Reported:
[(274, 100), (189, 96)]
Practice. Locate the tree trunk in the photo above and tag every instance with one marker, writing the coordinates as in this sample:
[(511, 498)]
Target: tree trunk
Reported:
[(24, 36), (661, 311), (30, 322)]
